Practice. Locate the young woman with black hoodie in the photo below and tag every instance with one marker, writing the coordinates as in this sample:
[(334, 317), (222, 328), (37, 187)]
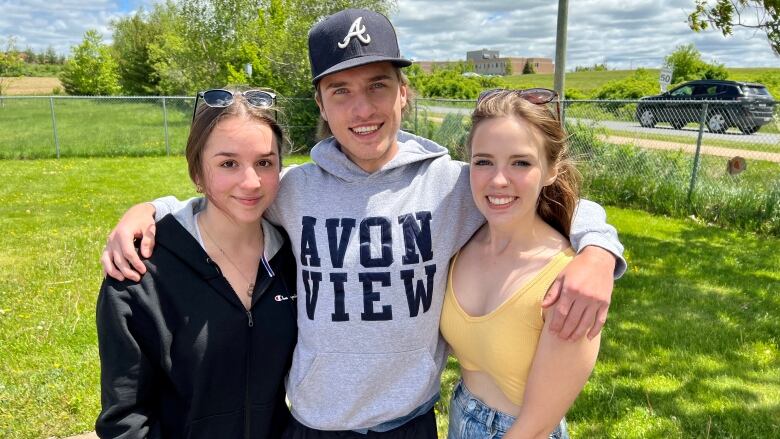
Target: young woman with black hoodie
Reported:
[(199, 348)]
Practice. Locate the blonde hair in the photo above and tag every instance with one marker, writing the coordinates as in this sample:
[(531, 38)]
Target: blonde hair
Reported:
[(323, 128), (557, 201)]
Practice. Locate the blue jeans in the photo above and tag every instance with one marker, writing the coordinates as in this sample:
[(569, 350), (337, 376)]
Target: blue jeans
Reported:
[(471, 418)]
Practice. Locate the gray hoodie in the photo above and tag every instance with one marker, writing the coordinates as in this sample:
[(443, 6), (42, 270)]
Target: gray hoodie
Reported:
[(372, 253)]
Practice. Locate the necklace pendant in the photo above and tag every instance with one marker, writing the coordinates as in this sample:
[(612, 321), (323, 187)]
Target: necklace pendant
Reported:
[(250, 289)]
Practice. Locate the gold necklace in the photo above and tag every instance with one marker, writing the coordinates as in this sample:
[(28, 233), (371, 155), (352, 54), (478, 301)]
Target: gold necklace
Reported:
[(251, 288)]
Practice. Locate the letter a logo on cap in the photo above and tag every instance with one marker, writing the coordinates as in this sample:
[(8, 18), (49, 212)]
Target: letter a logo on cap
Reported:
[(356, 30)]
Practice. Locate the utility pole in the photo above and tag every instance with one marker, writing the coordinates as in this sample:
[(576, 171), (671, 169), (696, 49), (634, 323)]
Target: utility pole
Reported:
[(560, 51)]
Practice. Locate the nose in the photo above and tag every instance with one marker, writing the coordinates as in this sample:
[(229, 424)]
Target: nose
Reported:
[(363, 107), (251, 178), (499, 178)]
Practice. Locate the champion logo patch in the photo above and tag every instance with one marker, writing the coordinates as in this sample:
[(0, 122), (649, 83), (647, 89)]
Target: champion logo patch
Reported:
[(281, 298), (356, 30)]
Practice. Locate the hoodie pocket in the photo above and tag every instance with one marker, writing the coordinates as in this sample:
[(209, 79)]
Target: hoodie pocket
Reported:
[(346, 391), (226, 425)]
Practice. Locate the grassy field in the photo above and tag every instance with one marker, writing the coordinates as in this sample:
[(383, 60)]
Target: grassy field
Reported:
[(34, 86), (92, 127), (587, 82), (691, 349)]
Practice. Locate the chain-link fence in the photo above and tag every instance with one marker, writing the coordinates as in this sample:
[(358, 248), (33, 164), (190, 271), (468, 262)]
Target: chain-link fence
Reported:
[(718, 160), (81, 126)]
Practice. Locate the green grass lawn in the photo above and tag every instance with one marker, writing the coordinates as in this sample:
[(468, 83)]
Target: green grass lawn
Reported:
[(690, 349), (91, 127)]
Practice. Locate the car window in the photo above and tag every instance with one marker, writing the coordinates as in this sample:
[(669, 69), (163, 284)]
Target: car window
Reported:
[(704, 91), (686, 90), (755, 90)]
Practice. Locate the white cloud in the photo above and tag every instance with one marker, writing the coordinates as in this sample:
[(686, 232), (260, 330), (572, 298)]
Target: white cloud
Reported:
[(621, 33), (39, 24)]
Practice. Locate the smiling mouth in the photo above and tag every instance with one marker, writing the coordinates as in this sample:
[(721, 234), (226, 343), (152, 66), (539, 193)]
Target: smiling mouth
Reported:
[(366, 130), (500, 201), (248, 201)]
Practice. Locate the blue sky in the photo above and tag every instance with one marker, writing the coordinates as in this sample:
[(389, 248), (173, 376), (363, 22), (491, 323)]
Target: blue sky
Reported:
[(624, 34)]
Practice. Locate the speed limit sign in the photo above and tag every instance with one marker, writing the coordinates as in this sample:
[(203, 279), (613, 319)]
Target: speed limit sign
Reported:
[(666, 78)]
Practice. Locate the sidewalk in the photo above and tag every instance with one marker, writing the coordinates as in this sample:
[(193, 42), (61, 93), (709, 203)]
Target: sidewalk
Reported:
[(705, 149)]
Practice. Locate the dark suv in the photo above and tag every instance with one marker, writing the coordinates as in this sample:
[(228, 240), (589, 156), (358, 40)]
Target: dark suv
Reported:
[(745, 105)]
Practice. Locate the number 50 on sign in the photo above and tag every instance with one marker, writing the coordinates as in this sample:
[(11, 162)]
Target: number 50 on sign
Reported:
[(666, 78)]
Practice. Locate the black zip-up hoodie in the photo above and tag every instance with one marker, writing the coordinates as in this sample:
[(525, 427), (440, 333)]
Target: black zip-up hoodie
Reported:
[(180, 355)]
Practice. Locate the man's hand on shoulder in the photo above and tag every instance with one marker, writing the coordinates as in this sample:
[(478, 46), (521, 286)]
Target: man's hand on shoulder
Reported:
[(120, 259), (581, 294)]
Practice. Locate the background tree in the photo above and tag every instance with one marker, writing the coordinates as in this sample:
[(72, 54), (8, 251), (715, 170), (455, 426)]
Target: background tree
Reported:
[(686, 64), (11, 64), (528, 68), (509, 70), (92, 69), (761, 15), (133, 37)]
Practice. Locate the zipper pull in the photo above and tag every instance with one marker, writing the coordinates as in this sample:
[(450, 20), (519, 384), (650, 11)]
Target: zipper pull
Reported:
[(249, 316)]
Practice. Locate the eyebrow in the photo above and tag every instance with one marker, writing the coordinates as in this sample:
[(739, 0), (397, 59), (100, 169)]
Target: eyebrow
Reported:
[(484, 154), (233, 154), (382, 77), (336, 85)]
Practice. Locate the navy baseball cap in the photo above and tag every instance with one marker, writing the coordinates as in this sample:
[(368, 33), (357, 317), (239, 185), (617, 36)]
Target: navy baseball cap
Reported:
[(352, 38)]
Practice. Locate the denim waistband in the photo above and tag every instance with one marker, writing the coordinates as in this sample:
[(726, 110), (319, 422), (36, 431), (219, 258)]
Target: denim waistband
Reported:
[(492, 418)]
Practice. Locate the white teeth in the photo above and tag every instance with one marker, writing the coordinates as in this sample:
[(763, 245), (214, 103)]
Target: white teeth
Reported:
[(500, 200), (365, 129)]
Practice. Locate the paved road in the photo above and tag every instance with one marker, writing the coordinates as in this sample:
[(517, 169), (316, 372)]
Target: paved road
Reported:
[(733, 135)]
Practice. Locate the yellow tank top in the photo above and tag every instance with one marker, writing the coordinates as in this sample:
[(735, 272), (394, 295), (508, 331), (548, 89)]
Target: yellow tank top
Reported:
[(502, 343)]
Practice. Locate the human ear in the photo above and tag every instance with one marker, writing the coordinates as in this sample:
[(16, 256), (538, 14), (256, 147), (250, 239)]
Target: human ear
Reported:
[(403, 91)]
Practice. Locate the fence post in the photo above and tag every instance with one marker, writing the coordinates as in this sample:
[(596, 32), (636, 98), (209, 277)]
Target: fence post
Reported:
[(54, 126), (165, 125), (695, 170), (415, 118)]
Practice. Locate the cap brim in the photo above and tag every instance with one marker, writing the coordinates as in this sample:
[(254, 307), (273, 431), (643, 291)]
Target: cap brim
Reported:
[(360, 61)]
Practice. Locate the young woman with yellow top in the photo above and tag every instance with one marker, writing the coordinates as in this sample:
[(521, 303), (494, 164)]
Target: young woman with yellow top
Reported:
[(518, 379)]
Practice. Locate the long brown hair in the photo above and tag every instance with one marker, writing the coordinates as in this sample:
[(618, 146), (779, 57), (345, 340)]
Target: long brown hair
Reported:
[(557, 202), (207, 118)]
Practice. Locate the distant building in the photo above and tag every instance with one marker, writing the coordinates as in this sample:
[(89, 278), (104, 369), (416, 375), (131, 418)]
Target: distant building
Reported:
[(490, 62)]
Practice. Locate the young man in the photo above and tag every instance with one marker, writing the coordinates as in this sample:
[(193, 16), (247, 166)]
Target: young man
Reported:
[(374, 221)]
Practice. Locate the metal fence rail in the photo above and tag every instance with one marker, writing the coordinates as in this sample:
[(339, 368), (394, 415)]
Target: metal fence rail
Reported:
[(707, 157)]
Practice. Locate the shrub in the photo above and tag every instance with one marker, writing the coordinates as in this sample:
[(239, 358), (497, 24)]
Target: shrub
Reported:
[(640, 83), (449, 83), (575, 94), (687, 65), (92, 70), (658, 181)]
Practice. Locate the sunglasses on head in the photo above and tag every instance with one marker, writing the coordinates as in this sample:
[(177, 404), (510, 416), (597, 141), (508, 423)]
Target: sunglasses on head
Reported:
[(538, 96), (219, 98)]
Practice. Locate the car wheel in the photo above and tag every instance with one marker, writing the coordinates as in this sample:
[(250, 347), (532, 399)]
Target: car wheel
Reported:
[(748, 129), (677, 124), (716, 123), (647, 118)]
